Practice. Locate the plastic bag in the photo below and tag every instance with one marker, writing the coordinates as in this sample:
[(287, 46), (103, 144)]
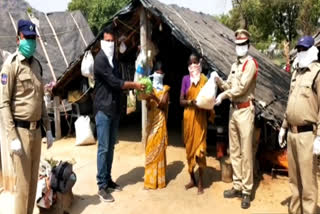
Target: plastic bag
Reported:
[(84, 135), (207, 94), (131, 102), (141, 95), (87, 65)]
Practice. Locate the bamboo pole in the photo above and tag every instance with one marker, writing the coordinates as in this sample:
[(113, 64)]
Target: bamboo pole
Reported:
[(143, 43), (57, 123)]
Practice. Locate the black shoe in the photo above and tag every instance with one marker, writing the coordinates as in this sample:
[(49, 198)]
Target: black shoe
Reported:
[(232, 193), (245, 203), (105, 196), (113, 186)]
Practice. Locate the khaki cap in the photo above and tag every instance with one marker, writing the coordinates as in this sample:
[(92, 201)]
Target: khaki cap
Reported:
[(241, 36)]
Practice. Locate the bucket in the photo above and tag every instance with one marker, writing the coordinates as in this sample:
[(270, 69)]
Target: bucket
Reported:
[(226, 169)]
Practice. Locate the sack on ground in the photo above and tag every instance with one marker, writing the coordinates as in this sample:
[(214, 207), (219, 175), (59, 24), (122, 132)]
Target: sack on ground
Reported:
[(87, 64), (84, 134), (207, 94), (62, 178)]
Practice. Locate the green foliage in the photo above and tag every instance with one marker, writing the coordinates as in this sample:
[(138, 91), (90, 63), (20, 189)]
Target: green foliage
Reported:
[(97, 12), (308, 16), (148, 83), (281, 19), (29, 10)]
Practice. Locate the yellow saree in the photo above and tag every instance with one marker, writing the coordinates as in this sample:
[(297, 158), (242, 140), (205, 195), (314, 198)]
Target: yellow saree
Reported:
[(195, 128), (157, 140)]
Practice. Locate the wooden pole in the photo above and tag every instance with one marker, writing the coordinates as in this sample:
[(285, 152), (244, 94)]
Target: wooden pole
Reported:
[(143, 43), (57, 124)]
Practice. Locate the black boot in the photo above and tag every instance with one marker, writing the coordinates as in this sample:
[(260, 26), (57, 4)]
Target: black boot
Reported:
[(232, 193), (245, 203)]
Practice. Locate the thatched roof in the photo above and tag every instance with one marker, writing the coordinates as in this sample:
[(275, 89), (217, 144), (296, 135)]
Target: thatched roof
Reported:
[(68, 26), (214, 41)]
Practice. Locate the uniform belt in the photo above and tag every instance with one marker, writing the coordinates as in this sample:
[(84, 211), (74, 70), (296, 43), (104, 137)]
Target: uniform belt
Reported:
[(241, 105), (27, 125), (298, 129)]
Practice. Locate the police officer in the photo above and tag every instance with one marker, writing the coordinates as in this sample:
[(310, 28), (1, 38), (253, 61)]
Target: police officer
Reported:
[(240, 88), (302, 121), (22, 108)]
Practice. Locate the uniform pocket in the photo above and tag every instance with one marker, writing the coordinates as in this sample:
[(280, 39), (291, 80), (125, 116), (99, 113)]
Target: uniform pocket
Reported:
[(306, 90), (26, 81)]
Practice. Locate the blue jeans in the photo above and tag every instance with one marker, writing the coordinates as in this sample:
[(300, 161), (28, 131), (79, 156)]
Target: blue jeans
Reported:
[(107, 133)]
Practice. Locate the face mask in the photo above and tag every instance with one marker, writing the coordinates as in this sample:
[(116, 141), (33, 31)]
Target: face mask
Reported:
[(123, 47), (194, 71), (242, 50), (305, 58), (157, 82), (27, 47), (108, 49)]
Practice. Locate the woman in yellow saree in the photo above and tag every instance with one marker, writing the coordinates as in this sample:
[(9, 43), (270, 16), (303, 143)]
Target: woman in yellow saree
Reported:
[(194, 121), (157, 136)]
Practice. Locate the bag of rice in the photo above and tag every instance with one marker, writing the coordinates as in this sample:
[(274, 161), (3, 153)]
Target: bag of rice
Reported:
[(207, 94)]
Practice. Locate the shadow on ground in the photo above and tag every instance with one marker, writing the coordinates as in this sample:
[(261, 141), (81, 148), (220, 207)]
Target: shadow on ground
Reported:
[(211, 175), (81, 202), (173, 170), (132, 177)]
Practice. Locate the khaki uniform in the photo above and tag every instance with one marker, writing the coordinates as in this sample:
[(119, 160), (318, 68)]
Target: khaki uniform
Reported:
[(303, 110), (239, 88), (21, 98)]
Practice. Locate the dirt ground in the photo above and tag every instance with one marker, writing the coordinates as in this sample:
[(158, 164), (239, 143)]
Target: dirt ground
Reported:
[(272, 195)]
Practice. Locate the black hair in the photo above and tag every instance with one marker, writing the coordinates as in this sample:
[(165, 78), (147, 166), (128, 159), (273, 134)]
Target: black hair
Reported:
[(195, 55), (159, 66), (109, 30)]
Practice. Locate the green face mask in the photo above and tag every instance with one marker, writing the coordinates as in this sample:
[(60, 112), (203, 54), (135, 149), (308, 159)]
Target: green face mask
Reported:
[(27, 47)]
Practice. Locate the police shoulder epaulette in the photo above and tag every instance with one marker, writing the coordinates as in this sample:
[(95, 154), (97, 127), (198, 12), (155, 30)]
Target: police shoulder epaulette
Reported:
[(255, 62), (11, 58)]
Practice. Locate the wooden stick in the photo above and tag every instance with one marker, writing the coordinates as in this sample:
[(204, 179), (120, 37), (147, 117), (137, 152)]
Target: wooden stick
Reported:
[(143, 42), (57, 123)]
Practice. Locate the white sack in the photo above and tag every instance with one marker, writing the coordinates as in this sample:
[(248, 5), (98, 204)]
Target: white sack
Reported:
[(84, 135), (87, 64), (207, 94)]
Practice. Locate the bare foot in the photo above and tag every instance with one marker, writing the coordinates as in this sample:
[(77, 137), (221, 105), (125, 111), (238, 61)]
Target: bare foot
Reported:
[(200, 190), (190, 185)]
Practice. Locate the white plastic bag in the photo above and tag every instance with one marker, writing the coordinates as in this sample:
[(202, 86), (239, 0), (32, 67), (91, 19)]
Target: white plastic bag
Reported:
[(207, 94), (87, 65), (84, 135)]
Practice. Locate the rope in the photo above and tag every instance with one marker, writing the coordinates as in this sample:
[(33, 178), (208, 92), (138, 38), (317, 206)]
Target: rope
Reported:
[(45, 53), (79, 30), (176, 12), (129, 27), (51, 34), (13, 23), (58, 42)]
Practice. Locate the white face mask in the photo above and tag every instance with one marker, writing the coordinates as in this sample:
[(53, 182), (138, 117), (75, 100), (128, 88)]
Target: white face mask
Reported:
[(195, 72), (157, 82), (305, 58), (108, 49), (242, 50)]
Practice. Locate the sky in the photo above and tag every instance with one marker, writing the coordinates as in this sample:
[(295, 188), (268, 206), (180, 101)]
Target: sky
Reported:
[(213, 7)]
